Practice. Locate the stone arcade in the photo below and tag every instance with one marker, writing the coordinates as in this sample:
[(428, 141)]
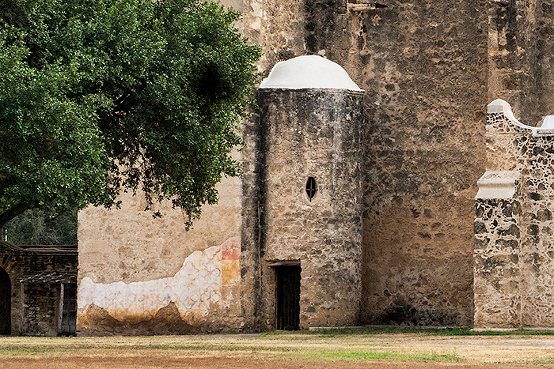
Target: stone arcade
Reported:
[(38, 288)]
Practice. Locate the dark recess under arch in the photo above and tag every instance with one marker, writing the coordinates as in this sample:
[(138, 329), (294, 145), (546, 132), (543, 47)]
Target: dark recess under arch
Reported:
[(5, 303)]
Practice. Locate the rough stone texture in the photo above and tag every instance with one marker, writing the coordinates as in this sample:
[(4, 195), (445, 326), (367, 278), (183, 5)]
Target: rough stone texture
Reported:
[(502, 151), (428, 69), (286, 29), (517, 234), (36, 276), (301, 134), (423, 66), (508, 36), (521, 45), (497, 270)]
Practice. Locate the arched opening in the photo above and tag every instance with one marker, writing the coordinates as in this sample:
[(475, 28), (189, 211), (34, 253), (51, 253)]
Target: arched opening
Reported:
[(5, 303)]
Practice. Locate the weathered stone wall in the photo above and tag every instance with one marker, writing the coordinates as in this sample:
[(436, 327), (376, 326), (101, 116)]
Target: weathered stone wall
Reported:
[(41, 312), (521, 45), (497, 246), (526, 272), (286, 29), (428, 69), (508, 38), (168, 280), (35, 287), (423, 65), (537, 256), (206, 281), (497, 225), (13, 262), (301, 134)]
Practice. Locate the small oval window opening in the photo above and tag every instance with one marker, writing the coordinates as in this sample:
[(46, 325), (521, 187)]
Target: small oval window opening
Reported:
[(311, 188)]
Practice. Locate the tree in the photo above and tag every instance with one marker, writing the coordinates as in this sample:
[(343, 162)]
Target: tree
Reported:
[(35, 227), (102, 96)]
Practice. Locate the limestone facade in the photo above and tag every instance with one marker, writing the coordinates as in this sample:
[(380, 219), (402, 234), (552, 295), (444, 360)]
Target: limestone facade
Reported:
[(428, 69), (306, 133)]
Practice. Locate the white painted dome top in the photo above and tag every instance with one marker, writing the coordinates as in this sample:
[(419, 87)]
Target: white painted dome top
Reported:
[(309, 71)]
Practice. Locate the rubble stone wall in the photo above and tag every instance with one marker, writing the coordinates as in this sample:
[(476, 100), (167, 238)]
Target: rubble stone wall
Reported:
[(519, 231), (35, 288), (423, 65), (428, 69), (497, 266), (521, 45)]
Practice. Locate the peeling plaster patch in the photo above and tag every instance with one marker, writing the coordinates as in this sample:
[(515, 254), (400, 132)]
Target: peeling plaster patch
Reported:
[(257, 14), (204, 279)]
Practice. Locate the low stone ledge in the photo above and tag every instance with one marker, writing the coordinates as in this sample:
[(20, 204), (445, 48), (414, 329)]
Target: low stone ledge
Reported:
[(498, 184)]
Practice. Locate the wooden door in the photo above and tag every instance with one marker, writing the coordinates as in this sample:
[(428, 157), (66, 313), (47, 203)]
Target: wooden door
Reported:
[(288, 297)]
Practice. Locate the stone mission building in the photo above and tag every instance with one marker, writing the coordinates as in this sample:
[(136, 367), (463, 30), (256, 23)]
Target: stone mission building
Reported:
[(358, 201)]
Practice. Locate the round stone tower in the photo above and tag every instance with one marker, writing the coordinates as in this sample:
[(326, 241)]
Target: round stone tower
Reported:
[(302, 228)]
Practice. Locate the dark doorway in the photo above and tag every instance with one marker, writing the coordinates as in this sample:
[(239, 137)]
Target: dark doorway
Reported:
[(288, 296), (68, 309), (5, 303)]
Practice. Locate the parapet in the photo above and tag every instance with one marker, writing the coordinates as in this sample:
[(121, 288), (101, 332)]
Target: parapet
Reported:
[(501, 106)]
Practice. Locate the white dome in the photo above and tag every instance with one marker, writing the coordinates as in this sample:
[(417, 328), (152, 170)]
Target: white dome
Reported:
[(309, 71)]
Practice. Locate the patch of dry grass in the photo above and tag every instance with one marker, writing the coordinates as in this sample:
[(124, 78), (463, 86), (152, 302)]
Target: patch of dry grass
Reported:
[(403, 347)]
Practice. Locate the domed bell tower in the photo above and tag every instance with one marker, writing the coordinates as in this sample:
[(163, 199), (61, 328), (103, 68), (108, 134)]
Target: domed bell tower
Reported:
[(302, 203)]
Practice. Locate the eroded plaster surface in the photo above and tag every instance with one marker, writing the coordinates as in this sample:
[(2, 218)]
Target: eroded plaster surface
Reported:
[(204, 280)]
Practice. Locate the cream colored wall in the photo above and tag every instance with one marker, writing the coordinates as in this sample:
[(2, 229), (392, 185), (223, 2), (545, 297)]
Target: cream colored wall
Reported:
[(145, 275), (129, 245)]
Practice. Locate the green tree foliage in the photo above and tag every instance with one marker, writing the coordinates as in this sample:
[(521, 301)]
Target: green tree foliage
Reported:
[(35, 227), (102, 96)]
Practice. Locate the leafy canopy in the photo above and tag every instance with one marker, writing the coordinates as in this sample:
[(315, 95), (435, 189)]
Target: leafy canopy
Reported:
[(36, 227), (102, 96)]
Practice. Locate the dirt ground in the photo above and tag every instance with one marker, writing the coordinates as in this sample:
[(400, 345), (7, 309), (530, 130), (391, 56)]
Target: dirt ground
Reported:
[(280, 351), (245, 363)]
